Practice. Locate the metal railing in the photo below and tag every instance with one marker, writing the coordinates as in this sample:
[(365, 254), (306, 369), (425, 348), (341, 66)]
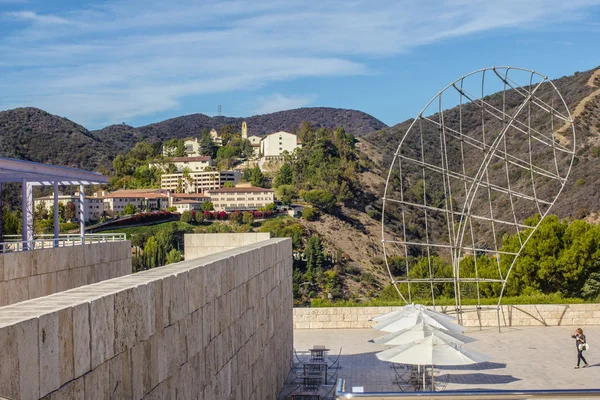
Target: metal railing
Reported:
[(340, 394), (46, 241)]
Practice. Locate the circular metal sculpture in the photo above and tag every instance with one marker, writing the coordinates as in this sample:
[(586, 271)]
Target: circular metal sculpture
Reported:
[(483, 162)]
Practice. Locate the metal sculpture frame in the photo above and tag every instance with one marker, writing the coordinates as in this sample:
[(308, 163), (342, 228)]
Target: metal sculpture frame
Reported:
[(468, 163)]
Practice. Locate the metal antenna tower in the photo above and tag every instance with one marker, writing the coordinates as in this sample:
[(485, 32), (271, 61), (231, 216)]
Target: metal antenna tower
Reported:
[(489, 151), (219, 110)]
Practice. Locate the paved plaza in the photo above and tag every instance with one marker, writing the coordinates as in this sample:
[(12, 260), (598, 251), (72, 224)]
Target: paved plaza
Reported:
[(522, 358)]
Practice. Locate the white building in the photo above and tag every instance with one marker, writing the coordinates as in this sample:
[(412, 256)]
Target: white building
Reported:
[(198, 163), (199, 182), (142, 199), (94, 208), (192, 147), (273, 145), (240, 198), (255, 143), (218, 140)]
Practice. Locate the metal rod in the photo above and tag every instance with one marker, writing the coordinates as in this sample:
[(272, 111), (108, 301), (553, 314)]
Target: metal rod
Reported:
[(470, 394)]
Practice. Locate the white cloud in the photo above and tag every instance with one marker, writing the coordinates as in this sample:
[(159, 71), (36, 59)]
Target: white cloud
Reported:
[(126, 58), (280, 102), (31, 16)]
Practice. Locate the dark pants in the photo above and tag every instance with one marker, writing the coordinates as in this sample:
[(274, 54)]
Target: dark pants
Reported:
[(580, 357)]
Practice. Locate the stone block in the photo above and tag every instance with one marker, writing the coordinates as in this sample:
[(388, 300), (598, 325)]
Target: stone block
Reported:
[(74, 390), (29, 362), (140, 369), (49, 348), (194, 288), (179, 301), (65, 343), (17, 265), (102, 322), (127, 319), (119, 368), (97, 383), (9, 371), (81, 339), (17, 290)]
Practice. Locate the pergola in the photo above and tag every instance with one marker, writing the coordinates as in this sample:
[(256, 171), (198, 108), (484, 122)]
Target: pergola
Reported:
[(31, 174)]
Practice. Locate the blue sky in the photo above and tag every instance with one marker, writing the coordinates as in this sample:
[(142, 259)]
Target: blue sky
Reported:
[(142, 61)]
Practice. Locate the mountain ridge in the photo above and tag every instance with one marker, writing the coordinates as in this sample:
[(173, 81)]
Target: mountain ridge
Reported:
[(24, 132)]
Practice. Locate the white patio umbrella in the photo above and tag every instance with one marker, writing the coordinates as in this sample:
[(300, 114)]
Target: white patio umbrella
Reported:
[(409, 319), (409, 308), (420, 331), (432, 351)]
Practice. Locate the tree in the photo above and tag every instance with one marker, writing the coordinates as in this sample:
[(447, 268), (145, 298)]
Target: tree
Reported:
[(70, 211), (186, 217), (207, 206), (207, 145), (173, 256), (174, 148), (322, 199), (286, 193), (228, 185), (256, 177), (130, 209), (271, 207), (284, 176), (152, 255), (310, 214), (248, 218), (236, 217), (315, 259), (200, 217), (187, 175)]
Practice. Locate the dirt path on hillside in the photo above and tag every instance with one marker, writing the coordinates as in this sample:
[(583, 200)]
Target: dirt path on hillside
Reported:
[(580, 107)]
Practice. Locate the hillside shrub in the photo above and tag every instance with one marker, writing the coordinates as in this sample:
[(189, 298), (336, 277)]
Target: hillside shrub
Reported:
[(322, 199), (310, 214), (186, 217)]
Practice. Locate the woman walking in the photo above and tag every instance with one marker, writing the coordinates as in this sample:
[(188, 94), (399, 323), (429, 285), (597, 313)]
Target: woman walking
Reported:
[(579, 341)]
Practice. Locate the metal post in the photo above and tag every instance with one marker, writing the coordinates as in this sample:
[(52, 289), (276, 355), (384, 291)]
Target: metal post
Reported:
[(82, 213), (1, 219), (56, 221), (27, 217)]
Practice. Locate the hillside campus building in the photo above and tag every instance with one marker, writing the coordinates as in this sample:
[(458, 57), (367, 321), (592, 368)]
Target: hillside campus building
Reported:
[(105, 204), (268, 148), (240, 198)]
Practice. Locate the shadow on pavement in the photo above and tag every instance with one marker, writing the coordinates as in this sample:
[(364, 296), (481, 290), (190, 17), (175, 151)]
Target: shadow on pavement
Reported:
[(478, 379)]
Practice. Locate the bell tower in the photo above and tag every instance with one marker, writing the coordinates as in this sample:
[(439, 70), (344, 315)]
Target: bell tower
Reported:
[(244, 130)]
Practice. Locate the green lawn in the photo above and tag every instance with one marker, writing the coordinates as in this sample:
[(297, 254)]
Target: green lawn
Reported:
[(152, 229)]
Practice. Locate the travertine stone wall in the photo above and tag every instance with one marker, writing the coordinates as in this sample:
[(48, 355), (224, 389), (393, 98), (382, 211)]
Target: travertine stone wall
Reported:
[(218, 327), (202, 244), (515, 315), (26, 275)]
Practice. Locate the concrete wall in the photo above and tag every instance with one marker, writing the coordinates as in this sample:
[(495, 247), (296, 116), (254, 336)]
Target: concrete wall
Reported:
[(202, 244), (26, 275), (517, 315), (218, 327)]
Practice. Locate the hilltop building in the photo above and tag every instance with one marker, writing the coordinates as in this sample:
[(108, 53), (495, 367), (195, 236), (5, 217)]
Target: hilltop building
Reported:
[(192, 147), (273, 145)]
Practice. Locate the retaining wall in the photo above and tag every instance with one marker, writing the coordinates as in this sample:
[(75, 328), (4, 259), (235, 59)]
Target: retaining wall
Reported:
[(218, 327), (510, 315), (203, 244), (26, 275)]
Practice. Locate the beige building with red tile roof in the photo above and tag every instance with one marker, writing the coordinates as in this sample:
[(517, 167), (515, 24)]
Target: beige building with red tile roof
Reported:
[(240, 198)]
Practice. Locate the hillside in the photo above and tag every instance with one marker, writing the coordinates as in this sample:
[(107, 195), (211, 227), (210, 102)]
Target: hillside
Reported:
[(582, 95), (354, 122), (35, 135)]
